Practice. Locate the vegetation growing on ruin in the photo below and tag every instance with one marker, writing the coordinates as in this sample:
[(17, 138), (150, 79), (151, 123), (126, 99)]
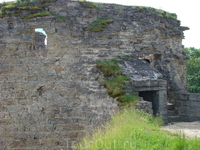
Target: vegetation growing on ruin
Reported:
[(35, 15), (89, 4), (34, 8), (193, 70), (115, 82), (99, 25), (59, 18), (166, 14), (162, 12), (135, 130)]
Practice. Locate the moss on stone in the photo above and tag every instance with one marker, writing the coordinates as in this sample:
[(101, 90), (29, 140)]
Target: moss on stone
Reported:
[(42, 14), (88, 4), (34, 9), (99, 25), (165, 14)]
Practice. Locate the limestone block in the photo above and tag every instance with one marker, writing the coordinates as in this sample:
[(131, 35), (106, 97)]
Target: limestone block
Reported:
[(194, 97), (145, 106)]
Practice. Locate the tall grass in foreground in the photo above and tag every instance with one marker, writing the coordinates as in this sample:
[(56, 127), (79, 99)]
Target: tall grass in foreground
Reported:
[(135, 130)]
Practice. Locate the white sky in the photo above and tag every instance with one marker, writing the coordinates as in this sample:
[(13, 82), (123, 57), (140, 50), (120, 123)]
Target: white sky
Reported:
[(186, 10)]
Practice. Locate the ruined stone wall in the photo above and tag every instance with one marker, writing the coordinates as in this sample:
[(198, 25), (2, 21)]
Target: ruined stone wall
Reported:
[(50, 97), (47, 101), (189, 107)]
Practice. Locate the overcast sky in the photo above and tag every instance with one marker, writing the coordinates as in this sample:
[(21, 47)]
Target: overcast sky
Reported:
[(187, 11)]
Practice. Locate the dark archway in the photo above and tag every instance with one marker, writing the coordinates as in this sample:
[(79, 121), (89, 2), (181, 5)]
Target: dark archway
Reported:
[(151, 96)]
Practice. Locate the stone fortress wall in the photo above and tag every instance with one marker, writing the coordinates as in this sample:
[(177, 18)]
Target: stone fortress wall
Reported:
[(49, 94)]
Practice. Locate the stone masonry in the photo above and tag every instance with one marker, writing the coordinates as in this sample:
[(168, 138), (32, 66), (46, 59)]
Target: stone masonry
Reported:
[(49, 94)]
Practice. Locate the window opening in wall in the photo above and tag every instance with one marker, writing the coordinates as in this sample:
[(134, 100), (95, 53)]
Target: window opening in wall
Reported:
[(40, 36), (151, 96), (39, 43), (150, 58)]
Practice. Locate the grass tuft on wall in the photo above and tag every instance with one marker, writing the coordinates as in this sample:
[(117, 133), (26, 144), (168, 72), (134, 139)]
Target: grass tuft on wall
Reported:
[(165, 14), (99, 25), (89, 4), (29, 16), (115, 82)]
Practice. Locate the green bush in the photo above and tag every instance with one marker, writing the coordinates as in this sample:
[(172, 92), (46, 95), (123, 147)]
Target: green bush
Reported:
[(193, 70)]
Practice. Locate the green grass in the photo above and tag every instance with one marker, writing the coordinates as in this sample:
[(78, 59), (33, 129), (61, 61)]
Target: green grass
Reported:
[(60, 18), (34, 8), (115, 82), (109, 67), (115, 85), (99, 25), (89, 4), (42, 14), (135, 130), (165, 14)]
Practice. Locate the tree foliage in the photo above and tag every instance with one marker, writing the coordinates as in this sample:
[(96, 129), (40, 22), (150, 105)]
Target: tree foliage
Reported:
[(193, 70)]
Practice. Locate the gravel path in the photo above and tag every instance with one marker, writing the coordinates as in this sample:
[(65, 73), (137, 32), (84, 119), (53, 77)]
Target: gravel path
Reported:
[(190, 129)]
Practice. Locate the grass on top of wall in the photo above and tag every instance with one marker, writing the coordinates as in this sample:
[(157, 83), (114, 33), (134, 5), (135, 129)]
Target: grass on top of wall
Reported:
[(135, 130), (34, 8), (89, 4), (165, 14)]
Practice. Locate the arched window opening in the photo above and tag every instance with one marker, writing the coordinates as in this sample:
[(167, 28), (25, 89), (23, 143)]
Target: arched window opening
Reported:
[(40, 37), (39, 44)]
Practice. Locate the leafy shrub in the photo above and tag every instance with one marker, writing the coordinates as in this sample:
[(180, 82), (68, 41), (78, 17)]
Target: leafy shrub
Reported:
[(193, 70)]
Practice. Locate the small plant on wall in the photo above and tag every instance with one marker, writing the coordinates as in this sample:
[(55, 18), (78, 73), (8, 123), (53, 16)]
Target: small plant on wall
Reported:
[(99, 24), (91, 5)]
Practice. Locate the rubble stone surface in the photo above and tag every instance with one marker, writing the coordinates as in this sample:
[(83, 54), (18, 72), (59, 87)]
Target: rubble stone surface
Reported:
[(49, 94)]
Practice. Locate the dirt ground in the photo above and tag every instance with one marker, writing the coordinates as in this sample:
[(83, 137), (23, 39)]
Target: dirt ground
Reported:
[(190, 129)]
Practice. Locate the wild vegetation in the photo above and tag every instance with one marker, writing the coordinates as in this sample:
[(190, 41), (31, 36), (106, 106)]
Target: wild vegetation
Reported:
[(35, 8), (115, 82), (89, 4), (135, 130), (153, 10), (99, 24), (193, 70)]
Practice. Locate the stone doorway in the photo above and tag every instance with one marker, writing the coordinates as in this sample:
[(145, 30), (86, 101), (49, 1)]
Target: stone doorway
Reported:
[(153, 97)]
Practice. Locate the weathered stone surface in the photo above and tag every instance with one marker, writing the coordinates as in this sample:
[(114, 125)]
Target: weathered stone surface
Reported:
[(189, 107), (139, 70), (49, 95), (145, 106)]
